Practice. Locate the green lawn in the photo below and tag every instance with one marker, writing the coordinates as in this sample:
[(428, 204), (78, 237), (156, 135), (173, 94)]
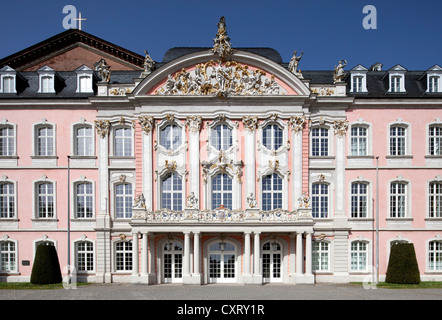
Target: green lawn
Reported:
[(422, 285), (30, 286)]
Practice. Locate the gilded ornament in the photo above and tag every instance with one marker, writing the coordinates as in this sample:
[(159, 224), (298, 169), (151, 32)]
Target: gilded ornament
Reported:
[(102, 127)]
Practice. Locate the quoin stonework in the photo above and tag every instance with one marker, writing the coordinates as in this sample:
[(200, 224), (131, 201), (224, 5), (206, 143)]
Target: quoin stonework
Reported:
[(215, 165)]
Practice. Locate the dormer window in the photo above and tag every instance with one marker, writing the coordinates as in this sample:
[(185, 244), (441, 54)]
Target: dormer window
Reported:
[(84, 79), (397, 79), (46, 77), (7, 80), (358, 79), (434, 81)]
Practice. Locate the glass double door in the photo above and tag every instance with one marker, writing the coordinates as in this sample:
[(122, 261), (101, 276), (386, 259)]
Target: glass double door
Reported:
[(271, 262), (222, 263), (173, 262)]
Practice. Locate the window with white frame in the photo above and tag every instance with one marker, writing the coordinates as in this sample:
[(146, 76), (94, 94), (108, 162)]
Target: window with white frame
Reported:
[(123, 142), (398, 199), (85, 83), (222, 191), (320, 200), (398, 140), (45, 140), (435, 200), (433, 83), (45, 200), (271, 192), (359, 200), (358, 256), (319, 138), (320, 256), (172, 192), (358, 141), (8, 256), (435, 140), (171, 137), (395, 85), (84, 251), (84, 200), (84, 144), (123, 201), (8, 84), (435, 255), (7, 137), (123, 256), (357, 83), (221, 137), (7, 200), (272, 136)]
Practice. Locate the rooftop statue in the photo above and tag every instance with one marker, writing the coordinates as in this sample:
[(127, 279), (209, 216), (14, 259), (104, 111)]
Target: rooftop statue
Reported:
[(338, 75), (294, 62), (221, 44)]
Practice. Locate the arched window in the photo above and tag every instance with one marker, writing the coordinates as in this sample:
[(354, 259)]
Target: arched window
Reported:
[(272, 137), (172, 192), (319, 142), (358, 256), (221, 137), (435, 200), (435, 140), (171, 137), (84, 204), (398, 141), (123, 142), (358, 141), (7, 200), (222, 191), (435, 255), (84, 252), (84, 144), (271, 192), (123, 200), (8, 256), (45, 200), (320, 200), (7, 137), (359, 198), (398, 199), (45, 140)]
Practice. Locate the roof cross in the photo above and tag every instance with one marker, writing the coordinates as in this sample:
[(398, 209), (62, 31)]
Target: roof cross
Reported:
[(79, 21)]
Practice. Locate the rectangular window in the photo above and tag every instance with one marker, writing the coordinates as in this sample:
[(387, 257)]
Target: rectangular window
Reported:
[(45, 141), (435, 140), (358, 200), (123, 142), (7, 256), (84, 200), (358, 141), (357, 84), (8, 85), (83, 141), (435, 200), (433, 84), (85, 256), (123, 200), (6, 141), (271, 192), (397, 141), (123, 256), (7, 200), (358, 256), (397, 200), (396, 84), (319, 142), (320, 256), (435, 256), (319, 200), (45, 200)]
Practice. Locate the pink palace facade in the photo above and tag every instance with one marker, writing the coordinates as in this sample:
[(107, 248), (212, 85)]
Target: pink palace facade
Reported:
[(215, 165)]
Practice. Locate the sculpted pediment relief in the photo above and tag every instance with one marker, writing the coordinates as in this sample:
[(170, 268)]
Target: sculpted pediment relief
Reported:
[(221, 79)]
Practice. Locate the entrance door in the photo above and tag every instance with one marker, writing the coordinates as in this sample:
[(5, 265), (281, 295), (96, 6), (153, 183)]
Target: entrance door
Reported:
[(271, 262), (222, 263), (173, 262)]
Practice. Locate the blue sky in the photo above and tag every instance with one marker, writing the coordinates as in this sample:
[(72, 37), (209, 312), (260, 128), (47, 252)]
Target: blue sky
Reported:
[(409, 32)]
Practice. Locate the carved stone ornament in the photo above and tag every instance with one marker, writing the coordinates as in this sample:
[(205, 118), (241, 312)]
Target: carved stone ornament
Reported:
[(340, 127), (296, 123), (140, 202), (221, 44), (304, 201), (103, 70), (250, 123), (251, 201), (194, 123), (220, 79), (146, 123), (102, 127), (338, 75), (192, 201)]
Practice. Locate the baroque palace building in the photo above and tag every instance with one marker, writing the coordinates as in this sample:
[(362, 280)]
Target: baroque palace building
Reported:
[(215, 165)]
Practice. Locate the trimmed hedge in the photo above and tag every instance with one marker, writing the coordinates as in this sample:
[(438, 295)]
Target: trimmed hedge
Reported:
[(402, 266), (46, 268)]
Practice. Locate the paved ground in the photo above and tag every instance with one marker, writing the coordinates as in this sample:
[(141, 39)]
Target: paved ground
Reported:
[(222, 292)]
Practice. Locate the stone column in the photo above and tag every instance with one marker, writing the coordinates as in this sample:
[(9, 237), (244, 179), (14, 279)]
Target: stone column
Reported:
[(196, 258), (257, 275), (247, 276), (186, 257), (340, 128), (296, 125), (144, 277), (147, 124), (135, 259), (299, 254), (308, 254)]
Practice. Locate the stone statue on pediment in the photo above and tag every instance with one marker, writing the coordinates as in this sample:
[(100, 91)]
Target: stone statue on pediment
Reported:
[(338, 75), (103, 70), (294, 63)]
